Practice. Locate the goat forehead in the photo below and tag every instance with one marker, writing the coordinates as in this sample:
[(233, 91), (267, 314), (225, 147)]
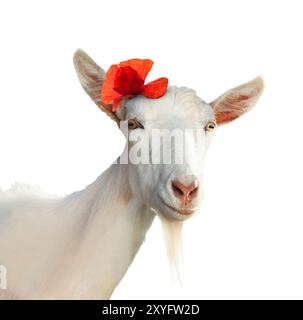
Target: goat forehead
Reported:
[(177, 103)]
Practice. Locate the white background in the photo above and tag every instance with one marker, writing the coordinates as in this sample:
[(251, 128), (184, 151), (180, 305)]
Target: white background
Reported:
[(247, 240)]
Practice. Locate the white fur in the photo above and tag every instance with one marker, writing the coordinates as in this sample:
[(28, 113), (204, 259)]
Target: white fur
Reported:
[(78, 247)]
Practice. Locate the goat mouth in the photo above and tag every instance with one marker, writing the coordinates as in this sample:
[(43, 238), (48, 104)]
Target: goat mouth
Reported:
[(182, 211)]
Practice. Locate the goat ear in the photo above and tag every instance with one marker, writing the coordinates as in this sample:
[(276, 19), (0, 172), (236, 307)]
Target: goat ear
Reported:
[(91, 77), (237, 101)]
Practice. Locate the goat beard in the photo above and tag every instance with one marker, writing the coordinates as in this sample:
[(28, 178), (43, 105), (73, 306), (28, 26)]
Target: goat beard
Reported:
[(172, 232)]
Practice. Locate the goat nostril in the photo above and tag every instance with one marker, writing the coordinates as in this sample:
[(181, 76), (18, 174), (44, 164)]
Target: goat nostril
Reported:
[(178, 192), (185, 192), (194, 192)]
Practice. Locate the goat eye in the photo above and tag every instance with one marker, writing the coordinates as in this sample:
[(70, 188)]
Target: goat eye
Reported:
[(210, 126), (134, 124)]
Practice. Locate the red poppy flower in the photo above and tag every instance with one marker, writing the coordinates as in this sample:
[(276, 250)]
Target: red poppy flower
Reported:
[(126, 80)]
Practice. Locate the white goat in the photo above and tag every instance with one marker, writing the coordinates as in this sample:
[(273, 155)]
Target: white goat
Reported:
[(81, 246)]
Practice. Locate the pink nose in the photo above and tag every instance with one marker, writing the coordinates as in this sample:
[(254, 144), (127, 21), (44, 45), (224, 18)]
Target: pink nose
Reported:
[(185, 192)]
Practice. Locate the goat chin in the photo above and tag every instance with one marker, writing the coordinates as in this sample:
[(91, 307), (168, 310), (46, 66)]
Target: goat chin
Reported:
[(172, 233)]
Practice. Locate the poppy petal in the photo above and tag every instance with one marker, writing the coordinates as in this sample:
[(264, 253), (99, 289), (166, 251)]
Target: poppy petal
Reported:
[(155, 89), (127, 81), (142, 66), (108, 94)]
